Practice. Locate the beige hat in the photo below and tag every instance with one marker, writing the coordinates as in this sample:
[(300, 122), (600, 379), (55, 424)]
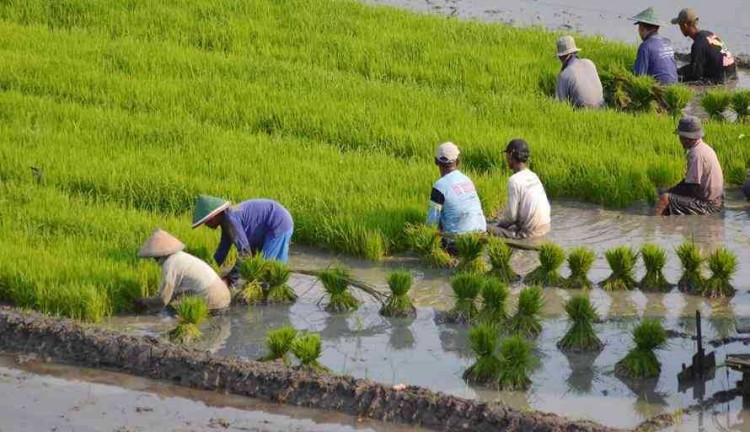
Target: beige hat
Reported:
[(566, 45), (447, 152), (161, 243), (686, 16)]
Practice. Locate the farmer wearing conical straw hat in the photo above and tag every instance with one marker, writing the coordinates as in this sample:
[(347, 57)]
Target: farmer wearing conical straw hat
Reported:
[(578, 81), (257, 225), (655, 55), (181, 274)]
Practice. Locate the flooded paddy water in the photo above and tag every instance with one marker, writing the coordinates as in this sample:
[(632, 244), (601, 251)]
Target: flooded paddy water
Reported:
[(426, 352)]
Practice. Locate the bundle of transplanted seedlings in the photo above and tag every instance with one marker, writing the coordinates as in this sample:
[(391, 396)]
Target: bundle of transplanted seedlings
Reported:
[(494, 298), (336, 284), (276, 275), (398, 304), (466, 288), (741, 104), (470, 251), (426, 241), (715, 102), (691, 261), (191, 312), (580, 261), (252, 270), (486, 369), (581, 336), (551, 257), (676, 97), (622, 261), (278, 343), (654, 259), (499, 254), (723, 265), (641, 362), (526, 321), (516, 360), (307, 348)]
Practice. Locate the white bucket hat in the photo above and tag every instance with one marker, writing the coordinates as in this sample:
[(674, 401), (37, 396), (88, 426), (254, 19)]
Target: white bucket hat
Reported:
[(566, 45), (161, 243)]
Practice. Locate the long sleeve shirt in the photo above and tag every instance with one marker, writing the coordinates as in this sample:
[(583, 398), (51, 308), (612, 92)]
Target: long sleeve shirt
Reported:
[(579, 83), (656, 58), (709, 60), (527, 207), (455, 206), (183, 274)]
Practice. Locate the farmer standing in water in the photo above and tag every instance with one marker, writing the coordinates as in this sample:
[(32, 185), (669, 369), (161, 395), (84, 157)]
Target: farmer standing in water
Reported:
[(710, 60), (655, 55)]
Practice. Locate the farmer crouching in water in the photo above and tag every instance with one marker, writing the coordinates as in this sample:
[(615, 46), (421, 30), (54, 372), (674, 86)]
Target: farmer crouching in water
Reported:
[(454, 203), (181, 274), (527, 212), (253, 226), (702, 190)]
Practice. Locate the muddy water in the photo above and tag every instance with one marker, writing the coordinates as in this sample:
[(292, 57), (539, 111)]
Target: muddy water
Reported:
[(37, 396)]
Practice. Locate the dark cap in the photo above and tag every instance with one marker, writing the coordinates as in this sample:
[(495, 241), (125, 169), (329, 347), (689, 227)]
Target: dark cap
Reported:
[(690, 127), (519, 149), (686, 16)]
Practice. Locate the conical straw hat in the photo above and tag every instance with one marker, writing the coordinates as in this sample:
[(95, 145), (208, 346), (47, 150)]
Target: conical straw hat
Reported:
[(647, 16), (161, 243), (206, 207)]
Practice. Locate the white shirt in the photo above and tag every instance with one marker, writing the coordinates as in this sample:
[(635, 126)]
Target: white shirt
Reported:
[(527, 206), (184, 274)]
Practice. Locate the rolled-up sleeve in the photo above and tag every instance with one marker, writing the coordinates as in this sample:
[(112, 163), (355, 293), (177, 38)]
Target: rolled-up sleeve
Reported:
[(434, 212)]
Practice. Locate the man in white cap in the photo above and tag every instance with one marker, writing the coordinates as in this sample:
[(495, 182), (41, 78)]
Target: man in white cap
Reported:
[(578, 81), (181, 274), (454, 203)]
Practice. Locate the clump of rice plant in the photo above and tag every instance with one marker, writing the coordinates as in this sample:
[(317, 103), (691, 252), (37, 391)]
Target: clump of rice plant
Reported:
[(426, 241), (622, 262), (279, 342), (741, 104), (191, 312), (641, 92), (715, 102), (551, 257), (516, 360), (723, 264), (641, 362), (466, 288), (336, 284), (580, 261), (499, 253), (526, 321), (581, 335), (654, 259), (470, 251), (486, 368), (691, 260), (308, 349), (276, 274), (398, 303), (252, 270), (676, 97), (494, 297)]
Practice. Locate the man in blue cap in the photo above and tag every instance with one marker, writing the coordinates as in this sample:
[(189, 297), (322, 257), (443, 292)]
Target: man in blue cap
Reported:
[(655, 54)]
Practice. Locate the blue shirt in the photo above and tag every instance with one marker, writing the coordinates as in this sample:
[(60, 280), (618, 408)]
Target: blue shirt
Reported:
[(248, 224), (455, 206), (656, 58)]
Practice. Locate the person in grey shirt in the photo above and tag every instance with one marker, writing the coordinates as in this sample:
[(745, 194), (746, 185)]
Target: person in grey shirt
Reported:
[(578, 81)]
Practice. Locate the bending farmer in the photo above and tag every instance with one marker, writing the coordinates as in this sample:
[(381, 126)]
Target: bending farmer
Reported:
[(181, 274), (527, 212), (710, 60), (702, 190), (253, 226), (578, 81), (655, 55)]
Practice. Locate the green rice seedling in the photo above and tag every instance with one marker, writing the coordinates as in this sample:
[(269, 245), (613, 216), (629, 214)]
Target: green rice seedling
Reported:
[(398, 303), (551, 257), (191, 312), (336, 284), (723, 265), (622, 262), (470, 250), (499, 254), (641, 362), (516, 360), (276, 275), (426, 241), (486, 369), (654, 259), (466, 288), (715, 102), (741, 104), (580, 261), (494, 298), (526, 321), (691, 260), (308, 349), (252, 270), (581, 335), (278, 343), (641, 92), (676, 97)]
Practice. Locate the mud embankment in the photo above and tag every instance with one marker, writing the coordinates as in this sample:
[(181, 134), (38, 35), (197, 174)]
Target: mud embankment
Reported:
[(67, 341)]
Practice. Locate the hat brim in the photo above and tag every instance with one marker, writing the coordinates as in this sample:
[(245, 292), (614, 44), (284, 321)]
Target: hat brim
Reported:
[(570, 51), (656, 24), (675, 20), (218, 210), (689, 135)]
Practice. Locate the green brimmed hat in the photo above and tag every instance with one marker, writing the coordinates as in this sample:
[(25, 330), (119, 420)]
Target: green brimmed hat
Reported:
[(160, 244), (647, 16), (206, 207)]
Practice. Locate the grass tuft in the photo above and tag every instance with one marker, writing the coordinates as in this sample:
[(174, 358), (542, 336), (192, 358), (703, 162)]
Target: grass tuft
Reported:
[(691, 261), (516, 360), (551, 257), (499, 254), (723, 265), (676, 97), (581, 335), (526, 321), (494, 298), (252, 270), (622, 261), (641, 362), (470, 251), (654, 259), (580, 261), (715, 102), (336, 284), (425, 240), (486, 369), (466, 288), (308, 349), (191, 312), (398, 303), (279, 342)]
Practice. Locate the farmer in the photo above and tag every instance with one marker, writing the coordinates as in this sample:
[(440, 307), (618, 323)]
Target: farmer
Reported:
[(578, 81), (181, 274), (655, 55), (454, 203), (702, 190), (527, 212), (710, 60), (253, 226)]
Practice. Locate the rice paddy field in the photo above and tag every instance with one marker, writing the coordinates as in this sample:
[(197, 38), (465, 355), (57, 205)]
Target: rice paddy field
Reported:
[(114, 115)]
